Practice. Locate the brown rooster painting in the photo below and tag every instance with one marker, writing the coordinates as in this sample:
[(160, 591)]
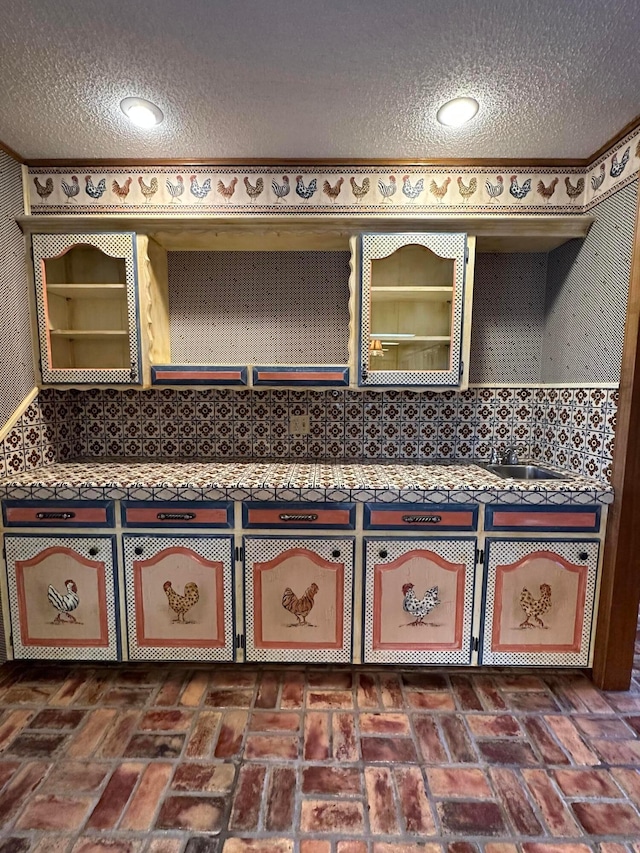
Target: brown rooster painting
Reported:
[(300, 607), (182, 603), (535, 607)]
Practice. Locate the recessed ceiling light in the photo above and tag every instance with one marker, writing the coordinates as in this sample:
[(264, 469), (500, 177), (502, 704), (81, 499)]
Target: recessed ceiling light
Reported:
[(141, 112), (457, 111)]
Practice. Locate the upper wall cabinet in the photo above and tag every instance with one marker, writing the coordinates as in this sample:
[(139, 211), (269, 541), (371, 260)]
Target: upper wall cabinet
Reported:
[(87, 302), (415, 309)]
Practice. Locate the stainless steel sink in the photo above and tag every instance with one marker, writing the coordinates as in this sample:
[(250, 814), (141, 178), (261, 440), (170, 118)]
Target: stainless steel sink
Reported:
[(525, 472)]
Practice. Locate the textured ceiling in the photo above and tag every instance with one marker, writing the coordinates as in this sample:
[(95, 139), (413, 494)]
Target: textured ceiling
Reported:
[(289, 79)]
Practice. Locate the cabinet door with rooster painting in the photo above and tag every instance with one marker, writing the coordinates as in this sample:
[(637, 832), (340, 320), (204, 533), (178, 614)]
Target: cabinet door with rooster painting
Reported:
[(418, 600), (298, 597), (62, 597), (179, 597), (538, 602)]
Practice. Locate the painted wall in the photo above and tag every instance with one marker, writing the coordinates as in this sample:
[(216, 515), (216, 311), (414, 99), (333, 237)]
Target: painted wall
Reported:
[(16, 365)]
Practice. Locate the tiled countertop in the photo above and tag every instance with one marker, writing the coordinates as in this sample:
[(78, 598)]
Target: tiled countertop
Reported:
[(291, 481)]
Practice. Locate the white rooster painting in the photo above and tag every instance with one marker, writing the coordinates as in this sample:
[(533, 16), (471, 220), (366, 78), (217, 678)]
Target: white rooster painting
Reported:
[(64, 603), (419, 607)]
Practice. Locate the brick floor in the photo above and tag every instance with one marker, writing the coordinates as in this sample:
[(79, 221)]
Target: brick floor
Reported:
[(254, 759)]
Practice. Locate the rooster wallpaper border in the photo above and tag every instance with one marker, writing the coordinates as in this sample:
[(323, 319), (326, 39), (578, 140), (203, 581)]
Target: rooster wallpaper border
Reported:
[(372, 191)]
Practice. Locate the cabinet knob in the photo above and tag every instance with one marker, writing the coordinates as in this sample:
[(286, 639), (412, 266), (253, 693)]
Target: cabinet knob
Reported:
[(383, 553), (335, 553), (583, 555), (93, 551), (138, 550)]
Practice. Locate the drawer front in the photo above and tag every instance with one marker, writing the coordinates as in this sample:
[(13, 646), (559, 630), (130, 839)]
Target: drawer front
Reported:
[(420, 517), (58, 513), (331, 376), (562, 519), (172, 374), (150, 514), (299, 516)]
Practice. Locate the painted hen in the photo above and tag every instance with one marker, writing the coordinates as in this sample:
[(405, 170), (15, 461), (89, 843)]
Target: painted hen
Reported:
[(359, 192), (535, 607), (182, 603), (281, 191), (518, 191), (419, 607), (122, 191), (494, 190), (300, 607), (467, 191), (546, 192), (412, 191), (439, 191), (227, 192), (254, 192), (95, 190), (306, 192), (597, 180), (388, 190), (333, 191), (197, 190), (71, 190), (574, 192), (618, 168), (150, 189), (175, 190), (64, 604), (44, 191)]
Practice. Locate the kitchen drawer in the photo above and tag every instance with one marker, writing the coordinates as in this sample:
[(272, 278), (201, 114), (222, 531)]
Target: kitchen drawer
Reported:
[(58, 513), (561, 519), (175, 374), (298, 516), (316, 376), (421, 517), (155, 514)]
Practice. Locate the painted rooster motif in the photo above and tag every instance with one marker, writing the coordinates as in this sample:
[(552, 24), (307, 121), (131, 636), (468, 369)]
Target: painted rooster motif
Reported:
[(307, 192), (439, 191), (547, 192), (535, 607), (494, 190), (71, 190), (617, 168), (150, 189), (175, 190), (227, 191), (95, 190), (467, 191), (254, 191), (388, 190), (300, 607), (517, 191), (412, 191), (333, 192), (121, 191), (574, 192), (182, 603), (597, 180), (64, 604), (419, 607), (197, 190), (359, 192), (281, 191), (44, 191)]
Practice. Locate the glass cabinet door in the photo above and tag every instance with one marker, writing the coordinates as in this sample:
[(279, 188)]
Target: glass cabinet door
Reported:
[(412, 296)]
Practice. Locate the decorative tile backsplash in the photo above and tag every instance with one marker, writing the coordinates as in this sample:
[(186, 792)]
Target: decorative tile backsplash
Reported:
[(572, 428)]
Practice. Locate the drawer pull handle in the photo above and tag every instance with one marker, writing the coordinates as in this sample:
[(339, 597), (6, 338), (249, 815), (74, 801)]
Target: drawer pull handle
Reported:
[(176, 516), (383, 553), (138, 550), (583, 555), (311, 516), (335, 553), (63, 516), (93, 551), (422, 519)]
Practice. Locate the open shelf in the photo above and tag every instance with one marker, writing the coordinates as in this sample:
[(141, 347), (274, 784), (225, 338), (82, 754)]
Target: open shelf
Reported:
[(89, 334), (87, 291), (415, 293)]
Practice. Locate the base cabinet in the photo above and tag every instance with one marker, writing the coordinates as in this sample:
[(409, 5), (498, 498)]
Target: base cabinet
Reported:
[(179, 597), (298, 598), (539, 602), (418, 600), (62, 595)]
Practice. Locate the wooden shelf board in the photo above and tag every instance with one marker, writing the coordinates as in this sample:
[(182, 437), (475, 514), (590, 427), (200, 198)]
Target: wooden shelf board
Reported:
[(89, 334), (411, 294), (88, 291)]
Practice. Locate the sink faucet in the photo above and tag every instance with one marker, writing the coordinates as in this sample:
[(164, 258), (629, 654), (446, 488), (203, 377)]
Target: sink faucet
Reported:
[(510, 455), (494, 457)]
